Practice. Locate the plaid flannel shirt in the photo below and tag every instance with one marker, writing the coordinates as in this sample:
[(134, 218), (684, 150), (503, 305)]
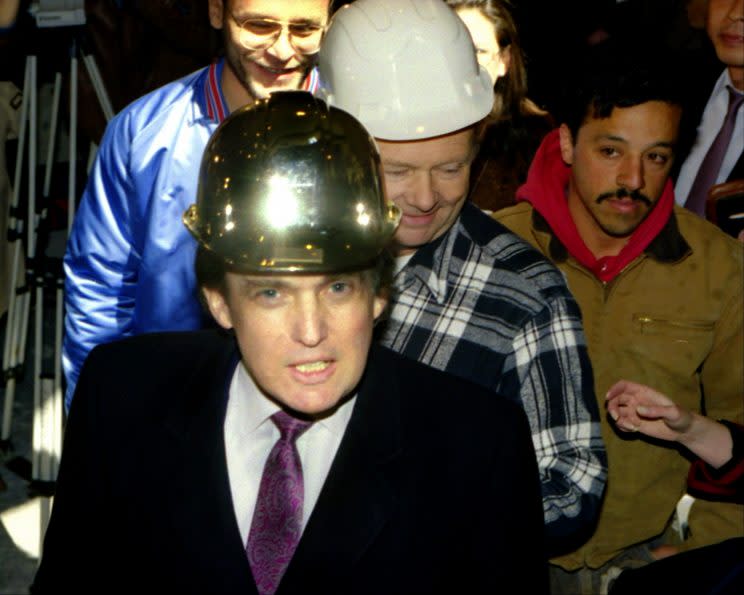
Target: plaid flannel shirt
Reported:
[(482, 304)]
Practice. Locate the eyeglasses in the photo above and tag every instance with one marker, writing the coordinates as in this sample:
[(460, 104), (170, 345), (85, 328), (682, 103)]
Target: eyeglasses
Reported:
[(261, 33)]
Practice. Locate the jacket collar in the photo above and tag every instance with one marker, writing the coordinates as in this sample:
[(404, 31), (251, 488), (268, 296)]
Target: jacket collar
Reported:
[(216, 104), (669, 246), (212, 101), (431, 263)]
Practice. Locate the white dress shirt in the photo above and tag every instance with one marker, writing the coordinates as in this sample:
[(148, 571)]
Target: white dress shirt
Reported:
[(710, 124), (250, 435)]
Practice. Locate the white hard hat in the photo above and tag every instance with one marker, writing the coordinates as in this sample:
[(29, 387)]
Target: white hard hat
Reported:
[(406, 69)]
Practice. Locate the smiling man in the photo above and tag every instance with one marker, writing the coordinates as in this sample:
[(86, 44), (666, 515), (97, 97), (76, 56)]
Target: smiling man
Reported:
[(128, 263), (284, 453), (660, 292), (269, 45), (469, 297)]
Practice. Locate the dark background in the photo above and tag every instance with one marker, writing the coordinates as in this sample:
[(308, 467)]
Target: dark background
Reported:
[(142, 44)]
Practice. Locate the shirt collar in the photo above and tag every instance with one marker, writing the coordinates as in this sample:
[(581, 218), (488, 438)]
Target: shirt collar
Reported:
[(430, 265), (251, 406), (722, 84), (215, 105)]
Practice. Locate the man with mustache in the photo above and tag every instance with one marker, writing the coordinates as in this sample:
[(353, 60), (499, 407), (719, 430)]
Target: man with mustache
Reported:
[(660, 292), (128, 262)]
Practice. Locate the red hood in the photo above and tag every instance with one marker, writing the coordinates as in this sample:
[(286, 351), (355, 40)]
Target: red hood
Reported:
[(547, 177)]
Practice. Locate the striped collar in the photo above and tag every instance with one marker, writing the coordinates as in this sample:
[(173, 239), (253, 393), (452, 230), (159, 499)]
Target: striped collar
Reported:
[(311, 81), (217, 109)]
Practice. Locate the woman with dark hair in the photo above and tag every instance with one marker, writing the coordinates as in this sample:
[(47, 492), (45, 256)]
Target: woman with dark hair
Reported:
[(515, 126)]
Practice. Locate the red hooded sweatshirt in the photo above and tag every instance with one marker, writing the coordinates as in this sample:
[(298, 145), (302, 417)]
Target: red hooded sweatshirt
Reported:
[(545, 190)]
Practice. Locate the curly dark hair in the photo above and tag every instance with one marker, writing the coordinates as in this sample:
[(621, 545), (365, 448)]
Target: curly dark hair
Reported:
[(619, 74)]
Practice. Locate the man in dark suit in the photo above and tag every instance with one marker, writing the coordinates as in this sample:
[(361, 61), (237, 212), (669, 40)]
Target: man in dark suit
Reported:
[(717, 154), (174, 477)]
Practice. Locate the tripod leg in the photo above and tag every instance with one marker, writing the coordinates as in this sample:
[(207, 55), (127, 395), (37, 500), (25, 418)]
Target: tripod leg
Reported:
[(46, 430), (45, 512), (98, 86), (38, 425), (32, 136), (33, 268), (71, 197), (55, 448), (92, 150), (11, 354), (31, 217), (52, 135), (44, 464)]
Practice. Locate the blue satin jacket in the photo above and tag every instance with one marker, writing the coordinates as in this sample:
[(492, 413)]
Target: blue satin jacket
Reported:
[(129, 260)]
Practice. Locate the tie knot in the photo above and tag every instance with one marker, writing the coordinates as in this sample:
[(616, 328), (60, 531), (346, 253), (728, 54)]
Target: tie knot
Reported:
[(735, 99), (290, 427)]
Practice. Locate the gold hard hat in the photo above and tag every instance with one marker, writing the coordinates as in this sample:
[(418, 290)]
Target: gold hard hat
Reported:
[(290, 184)]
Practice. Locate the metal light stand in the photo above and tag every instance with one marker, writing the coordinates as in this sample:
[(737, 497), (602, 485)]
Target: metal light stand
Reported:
[(43, 272), (18, 299)]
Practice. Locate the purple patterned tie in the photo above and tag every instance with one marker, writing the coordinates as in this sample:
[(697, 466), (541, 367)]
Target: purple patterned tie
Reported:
[(277, 518), (711, 165)]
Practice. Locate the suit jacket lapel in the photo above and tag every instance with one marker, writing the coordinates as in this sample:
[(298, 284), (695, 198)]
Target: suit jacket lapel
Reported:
[(360, 492), (200, 502)]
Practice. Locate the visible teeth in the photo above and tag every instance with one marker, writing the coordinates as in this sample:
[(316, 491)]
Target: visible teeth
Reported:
[(312, 367), (277, 70)]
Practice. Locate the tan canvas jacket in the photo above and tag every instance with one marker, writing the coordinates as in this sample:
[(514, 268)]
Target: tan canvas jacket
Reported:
[(673, 320)]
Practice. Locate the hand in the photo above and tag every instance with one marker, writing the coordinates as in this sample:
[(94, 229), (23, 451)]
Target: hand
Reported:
[(639, 408)]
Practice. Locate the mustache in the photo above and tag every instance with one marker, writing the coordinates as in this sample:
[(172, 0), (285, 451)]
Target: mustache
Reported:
[(623, 193)]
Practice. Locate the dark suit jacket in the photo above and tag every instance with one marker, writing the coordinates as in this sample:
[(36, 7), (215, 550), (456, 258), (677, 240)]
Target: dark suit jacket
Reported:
[(434, 488)]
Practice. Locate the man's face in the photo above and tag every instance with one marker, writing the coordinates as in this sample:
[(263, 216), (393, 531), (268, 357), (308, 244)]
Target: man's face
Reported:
[(619, 166), (304, 339), (280, 65), (428, 180), (725, 26)]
